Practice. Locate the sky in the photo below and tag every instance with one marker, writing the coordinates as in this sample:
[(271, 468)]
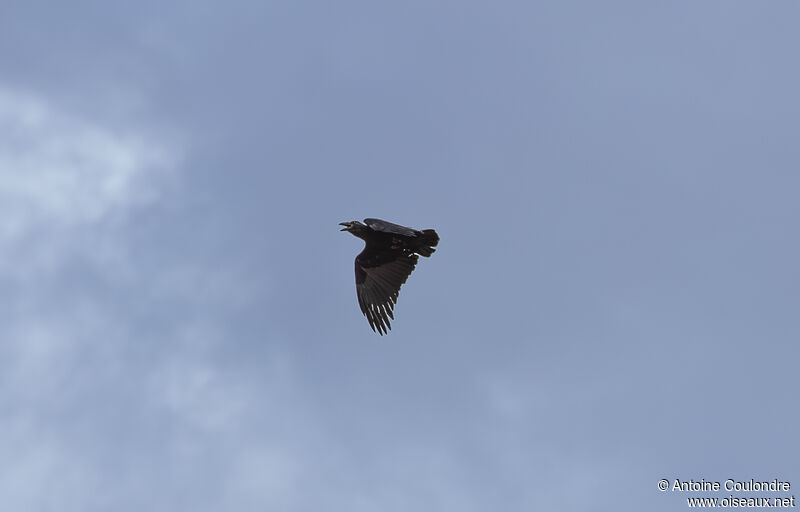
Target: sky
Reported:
[(614, 299)]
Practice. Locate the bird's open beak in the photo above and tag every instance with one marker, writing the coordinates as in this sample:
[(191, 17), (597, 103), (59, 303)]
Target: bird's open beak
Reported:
[(345, 224)]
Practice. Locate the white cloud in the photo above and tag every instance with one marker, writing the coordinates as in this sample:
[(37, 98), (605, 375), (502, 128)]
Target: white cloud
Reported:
[(62, 168), (78, 380), (60, 171), (66, 182)]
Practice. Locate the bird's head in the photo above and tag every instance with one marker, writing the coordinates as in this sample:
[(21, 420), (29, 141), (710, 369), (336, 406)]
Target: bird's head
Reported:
[(353, 227)]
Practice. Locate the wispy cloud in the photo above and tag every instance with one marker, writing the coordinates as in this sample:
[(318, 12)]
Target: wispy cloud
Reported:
[(62, 177), (64, 170), (66, 183), (99, 407)]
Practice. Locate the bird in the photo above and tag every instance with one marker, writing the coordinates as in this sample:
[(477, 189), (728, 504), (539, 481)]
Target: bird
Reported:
[(389, 256)]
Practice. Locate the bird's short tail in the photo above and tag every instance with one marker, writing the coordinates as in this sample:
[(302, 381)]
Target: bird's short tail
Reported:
[(427, 242)]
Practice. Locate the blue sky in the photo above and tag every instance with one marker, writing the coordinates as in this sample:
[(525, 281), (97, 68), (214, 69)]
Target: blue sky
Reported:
[(614, 299)]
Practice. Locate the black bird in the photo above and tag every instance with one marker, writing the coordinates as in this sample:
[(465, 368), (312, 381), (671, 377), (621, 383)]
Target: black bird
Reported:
[(387, 260)]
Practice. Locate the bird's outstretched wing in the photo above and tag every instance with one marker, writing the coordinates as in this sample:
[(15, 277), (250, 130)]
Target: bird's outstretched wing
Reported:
[(388, 227), (379, 276)]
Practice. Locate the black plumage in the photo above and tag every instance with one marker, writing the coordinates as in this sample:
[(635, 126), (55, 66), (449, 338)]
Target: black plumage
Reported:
[(387, 260)]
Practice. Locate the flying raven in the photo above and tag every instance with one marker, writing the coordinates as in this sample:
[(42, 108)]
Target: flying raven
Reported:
[(384, 265)]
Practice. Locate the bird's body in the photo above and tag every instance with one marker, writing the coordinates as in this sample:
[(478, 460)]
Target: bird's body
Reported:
[(387, 260)]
